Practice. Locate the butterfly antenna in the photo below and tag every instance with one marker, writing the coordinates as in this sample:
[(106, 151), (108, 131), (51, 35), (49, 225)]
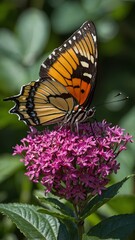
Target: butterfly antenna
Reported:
[(125, 98), (118, 94)]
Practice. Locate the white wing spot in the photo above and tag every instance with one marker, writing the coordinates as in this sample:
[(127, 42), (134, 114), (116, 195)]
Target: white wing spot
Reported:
[(65, 45), (53, 52), (43, 65), (70, 41), (92, 58), (50, 56), (74, 37), (60, 49), (79, 32), (94, 37), (87, 75), (84, 64), (76, 50)]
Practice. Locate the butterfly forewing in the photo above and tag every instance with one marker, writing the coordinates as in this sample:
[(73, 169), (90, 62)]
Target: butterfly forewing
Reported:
[(74, 63)]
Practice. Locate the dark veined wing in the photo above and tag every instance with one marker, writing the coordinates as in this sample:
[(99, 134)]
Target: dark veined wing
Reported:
[(42, 103), (67, 79), (74, 64)]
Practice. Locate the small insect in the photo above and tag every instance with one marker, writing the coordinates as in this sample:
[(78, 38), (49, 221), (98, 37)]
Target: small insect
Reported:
[(64, 90)]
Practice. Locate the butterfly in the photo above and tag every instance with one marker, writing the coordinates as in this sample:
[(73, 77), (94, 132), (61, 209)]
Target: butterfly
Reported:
[(67, 78)]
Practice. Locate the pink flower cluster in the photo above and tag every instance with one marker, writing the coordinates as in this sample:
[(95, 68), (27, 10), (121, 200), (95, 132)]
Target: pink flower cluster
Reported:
[(73, 165)]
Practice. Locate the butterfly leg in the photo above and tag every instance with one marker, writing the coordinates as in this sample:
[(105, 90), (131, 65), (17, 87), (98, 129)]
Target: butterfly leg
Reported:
[(77, 126), (61, 125)]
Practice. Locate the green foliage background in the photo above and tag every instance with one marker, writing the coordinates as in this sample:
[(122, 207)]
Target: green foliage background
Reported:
[(29, 31)]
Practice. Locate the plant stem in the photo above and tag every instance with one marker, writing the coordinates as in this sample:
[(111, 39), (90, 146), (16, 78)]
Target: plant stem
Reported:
[(80, 223), (80, 229)]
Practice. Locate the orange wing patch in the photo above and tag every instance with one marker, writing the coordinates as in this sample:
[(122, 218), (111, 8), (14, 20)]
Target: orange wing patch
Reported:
[(73, 64), (85, 90), (74, 61)]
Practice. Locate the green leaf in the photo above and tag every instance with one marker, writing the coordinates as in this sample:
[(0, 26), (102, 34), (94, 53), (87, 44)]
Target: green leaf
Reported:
[(63, 212), (101, 9), (107, 29), (9, 44), (116, 227), (61, 21), (8, 166), (63, 233), (34, 69), (123, 204), (69, 222), (126, 158), (57, 205), (99, 200), (127, 122), (86, 237), (13, 75), (5, 118), (57, 215), (33, 31), (93, 8), (31, 223)]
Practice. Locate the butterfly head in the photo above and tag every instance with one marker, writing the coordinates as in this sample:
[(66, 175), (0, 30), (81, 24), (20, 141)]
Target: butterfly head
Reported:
[(91, 112)]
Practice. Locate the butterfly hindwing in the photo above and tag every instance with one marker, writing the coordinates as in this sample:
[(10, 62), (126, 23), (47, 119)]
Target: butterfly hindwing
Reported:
[(42, 102), (74, 64)]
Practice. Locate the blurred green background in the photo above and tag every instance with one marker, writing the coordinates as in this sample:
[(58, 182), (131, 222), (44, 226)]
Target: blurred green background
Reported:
[(29, 31)]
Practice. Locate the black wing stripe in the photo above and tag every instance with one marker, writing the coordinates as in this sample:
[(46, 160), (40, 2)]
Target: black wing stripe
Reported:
[(88, 45), (82, 49), (67, 59), (86, 48), (60, 74), (62, 95), (92, 45), (72, 56), (64, 66)]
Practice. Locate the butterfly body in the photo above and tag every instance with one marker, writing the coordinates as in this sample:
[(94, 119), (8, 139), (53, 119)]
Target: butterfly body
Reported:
[(79, 114), (64, 90)]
